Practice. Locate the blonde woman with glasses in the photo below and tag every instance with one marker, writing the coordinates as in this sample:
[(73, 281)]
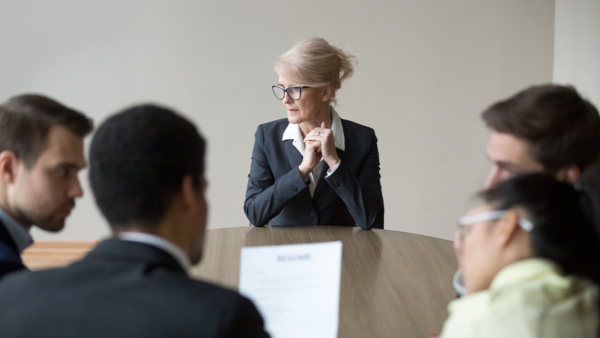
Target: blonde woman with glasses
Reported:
[(314, 168)]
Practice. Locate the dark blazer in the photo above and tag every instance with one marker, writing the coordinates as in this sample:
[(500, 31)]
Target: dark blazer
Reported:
[(122, 289), (590, 182), (10, 259), (277, 194)]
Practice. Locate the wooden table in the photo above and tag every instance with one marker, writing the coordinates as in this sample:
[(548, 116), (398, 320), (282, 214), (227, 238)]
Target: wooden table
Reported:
[(394, 284), (54, 254)]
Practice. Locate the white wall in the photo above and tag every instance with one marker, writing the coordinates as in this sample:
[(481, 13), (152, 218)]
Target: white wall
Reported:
[(427, 69), (577, 46)]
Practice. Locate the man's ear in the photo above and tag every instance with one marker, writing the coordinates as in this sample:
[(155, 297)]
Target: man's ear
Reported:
[(507, 227), (327, 92), (8, 166), (568, 174), (188, 191)]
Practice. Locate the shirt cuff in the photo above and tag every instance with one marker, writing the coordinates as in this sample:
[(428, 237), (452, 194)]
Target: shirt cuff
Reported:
[(332, 170)]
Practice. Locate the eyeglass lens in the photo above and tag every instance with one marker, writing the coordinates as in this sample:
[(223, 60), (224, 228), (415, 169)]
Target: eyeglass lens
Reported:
[(279, 92), (293, 92)]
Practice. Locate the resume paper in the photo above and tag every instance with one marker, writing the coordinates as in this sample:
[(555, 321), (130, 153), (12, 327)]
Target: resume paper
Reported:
[(295, 287)]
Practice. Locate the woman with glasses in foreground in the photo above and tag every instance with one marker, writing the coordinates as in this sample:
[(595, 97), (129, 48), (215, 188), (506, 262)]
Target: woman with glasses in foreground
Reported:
[(313, 168), (531, 264)]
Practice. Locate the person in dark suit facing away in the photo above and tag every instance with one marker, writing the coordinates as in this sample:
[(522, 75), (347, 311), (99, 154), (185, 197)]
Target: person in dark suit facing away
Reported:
[(41, 152), (314, 168), (147, 175)]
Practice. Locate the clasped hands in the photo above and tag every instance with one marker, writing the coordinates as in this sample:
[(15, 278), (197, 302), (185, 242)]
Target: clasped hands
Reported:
[(319, 143)]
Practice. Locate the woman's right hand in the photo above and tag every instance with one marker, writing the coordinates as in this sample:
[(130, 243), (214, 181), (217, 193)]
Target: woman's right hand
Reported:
[(312, 156)]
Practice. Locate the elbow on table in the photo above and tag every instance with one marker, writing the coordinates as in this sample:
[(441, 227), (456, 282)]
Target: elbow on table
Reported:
[(254, 219), (365, 226), (375, 222)]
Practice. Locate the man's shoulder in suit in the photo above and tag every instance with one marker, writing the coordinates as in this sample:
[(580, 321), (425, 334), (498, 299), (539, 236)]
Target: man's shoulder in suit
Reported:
[(9, 267), (10, 260), (149, 300)]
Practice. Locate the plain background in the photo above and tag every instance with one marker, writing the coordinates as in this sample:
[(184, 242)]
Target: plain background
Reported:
[(577, 46), (427, 69)]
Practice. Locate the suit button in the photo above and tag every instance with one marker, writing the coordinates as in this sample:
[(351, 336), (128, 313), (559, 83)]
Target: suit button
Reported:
[(313, 214), (336, 184), (294, 188)]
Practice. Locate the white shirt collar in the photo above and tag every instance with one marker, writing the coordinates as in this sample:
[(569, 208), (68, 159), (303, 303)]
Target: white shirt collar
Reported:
[(160, 243), (338, 130), (292, 132), (18, 233)]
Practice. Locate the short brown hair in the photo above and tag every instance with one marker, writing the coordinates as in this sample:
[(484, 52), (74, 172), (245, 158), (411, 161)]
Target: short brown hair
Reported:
[(560, 127), (25, 121)]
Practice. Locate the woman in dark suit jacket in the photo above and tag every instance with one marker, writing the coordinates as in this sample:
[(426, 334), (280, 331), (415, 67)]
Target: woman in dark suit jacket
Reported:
[(313, 168)]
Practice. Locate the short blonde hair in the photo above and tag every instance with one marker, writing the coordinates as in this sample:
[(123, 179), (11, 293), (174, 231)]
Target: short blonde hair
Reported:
[(315, 62)]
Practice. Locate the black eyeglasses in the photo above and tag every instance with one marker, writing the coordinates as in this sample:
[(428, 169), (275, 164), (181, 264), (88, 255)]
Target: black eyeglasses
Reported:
[(295, 92)]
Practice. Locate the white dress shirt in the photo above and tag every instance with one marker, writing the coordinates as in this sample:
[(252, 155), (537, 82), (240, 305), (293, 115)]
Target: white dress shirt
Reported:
[(19, 234), (292, 132), (160, 243)]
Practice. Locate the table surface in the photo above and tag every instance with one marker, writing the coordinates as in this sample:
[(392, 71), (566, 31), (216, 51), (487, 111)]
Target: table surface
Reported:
[(53, 254), (394, 284)]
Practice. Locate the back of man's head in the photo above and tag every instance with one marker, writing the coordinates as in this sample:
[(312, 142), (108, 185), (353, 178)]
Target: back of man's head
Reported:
[(25, 122), (560, 128), (138, 160)]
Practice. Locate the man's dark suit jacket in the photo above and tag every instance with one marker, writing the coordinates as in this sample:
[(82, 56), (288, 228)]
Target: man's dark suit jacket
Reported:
[(10, 259), (590, 181), (277, 194), (122, 289)]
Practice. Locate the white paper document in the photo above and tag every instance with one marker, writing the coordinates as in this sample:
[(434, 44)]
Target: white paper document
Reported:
[(295, 287)]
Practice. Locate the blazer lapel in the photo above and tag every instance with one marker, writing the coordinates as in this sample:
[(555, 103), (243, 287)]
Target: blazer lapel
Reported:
[(293, 154), (321, 183), (7, 239)]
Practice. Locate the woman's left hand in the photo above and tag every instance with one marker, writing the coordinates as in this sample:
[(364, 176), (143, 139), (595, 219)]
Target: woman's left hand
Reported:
[(324, 135)]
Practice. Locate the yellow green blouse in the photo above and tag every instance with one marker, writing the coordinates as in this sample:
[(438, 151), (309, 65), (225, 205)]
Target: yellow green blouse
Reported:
[(526, 299)]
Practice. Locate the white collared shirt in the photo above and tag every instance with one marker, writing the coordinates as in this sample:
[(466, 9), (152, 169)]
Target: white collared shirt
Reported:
[(19, 234), (292, 132), (158, 242)]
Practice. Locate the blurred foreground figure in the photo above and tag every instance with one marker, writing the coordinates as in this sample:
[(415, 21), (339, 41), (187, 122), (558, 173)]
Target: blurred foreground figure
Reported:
[(530, 257), (41, 153), (546, 129), (147, 174)]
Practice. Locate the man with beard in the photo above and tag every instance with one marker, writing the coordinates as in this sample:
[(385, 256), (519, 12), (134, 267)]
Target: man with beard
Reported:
[(147, 176), (41, 153)]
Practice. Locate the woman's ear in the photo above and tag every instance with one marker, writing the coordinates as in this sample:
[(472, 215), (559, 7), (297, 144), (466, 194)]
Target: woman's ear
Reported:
[(328, 92), (507, 227)]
